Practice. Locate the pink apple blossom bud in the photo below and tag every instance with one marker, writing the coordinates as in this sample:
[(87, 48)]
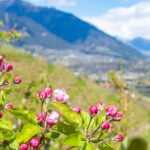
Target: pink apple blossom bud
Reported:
[(23, 146), (1, 59), (111, 111), (105, 125), (118, 116), (17, 80), (52, 118), (40, 117), (93, 110), (1, 115), (76, 109), (9, 106), (34, 143), (6, 67), (48, 91), (42, 95), (119, 137), (100, 105), (61, 96)]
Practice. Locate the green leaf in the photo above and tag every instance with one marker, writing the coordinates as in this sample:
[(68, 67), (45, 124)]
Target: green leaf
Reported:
[(85, 119), (5, 125), (7, 76), (68, 114), (100, 119), (74, 139), (106, 147), (6, 135), (65, 128), (2, 98), (7, 89), (24, 115), (52, 135), (27, 132)]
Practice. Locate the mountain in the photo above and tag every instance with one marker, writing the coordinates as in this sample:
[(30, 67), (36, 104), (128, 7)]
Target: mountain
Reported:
[(49, 28), (141, 43)]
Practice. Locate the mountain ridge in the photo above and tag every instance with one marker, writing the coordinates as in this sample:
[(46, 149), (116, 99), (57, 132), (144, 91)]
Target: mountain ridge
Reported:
[(60, 30)]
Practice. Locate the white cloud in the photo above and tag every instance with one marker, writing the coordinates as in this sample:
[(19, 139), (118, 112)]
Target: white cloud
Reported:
[(56, 3), (125, 22)]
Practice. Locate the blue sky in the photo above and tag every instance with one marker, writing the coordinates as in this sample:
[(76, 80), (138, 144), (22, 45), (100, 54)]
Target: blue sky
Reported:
[(86, 7), (126, 19)]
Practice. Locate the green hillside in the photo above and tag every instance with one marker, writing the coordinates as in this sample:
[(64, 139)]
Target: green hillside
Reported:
[(37, 74)]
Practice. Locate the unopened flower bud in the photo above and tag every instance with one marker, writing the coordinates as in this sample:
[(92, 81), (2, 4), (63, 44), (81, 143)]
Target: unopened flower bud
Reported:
[(105, 125), (76, 109), (42, 95), (17, 80), (111, 111), (34, 143), (40, 117), (119, 137), (9, 106), (100, 105), (52, 118), (1, 59), (6, 67), (118, 116), (23, 146), (48, 91), (1, 115), (61, 96), (93, 110)]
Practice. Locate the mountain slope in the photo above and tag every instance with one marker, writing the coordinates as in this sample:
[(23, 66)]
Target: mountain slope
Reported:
[(141, 43), (54, 29)]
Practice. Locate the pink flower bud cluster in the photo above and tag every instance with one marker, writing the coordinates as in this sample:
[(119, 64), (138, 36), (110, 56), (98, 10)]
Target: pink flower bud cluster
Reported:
[(95, 109), (112, 114), (6, 67), (34, 143), (44, 94)]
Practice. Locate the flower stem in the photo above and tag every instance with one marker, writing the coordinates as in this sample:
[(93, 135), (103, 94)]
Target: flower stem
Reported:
[(89, 125), (68, 148), (42, 106)]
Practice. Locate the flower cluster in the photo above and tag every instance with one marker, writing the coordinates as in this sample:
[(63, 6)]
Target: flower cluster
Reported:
[(92, 127), (111, 115), (6, 67)]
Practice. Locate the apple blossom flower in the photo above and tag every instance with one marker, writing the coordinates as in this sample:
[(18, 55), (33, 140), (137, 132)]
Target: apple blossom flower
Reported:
[(93, 110), (52, 118), (111, 111), (42, 95), (48, 91), (100, 105), (23, 146), (76, 109), (61, 96), (118, 116), (17, 80), (34, 143), (119, 137), (105, 125), (9, 106), (40, 117)]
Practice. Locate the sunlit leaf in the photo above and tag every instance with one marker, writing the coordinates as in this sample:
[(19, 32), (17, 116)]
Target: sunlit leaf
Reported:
[(68, 114), (27, 132)]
